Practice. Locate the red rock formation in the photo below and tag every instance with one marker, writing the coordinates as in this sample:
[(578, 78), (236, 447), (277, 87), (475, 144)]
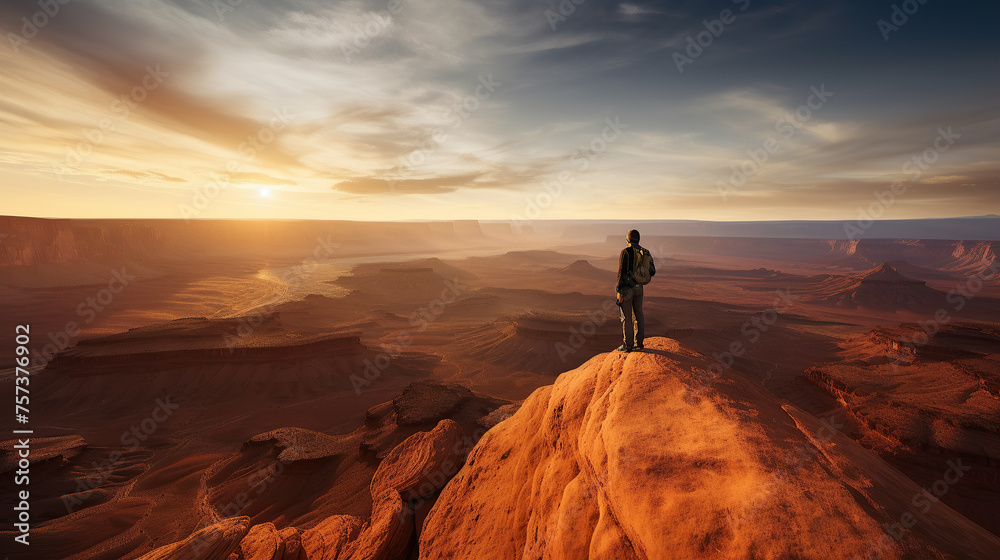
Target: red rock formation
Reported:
[(386, 536), (423, 463), (332, 535), (33, 241), (261, 543), (414, 470), (214, 542), (636, 456)]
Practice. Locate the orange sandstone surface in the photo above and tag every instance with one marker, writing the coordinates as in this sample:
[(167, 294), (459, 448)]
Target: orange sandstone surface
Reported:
[(642, 456)]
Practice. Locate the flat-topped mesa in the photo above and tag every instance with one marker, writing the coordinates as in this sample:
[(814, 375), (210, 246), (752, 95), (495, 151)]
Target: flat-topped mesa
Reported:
[(36, 241), (408, 270), (398, 283), (601, 328), (42, 241), (201, 340), (187, 332)]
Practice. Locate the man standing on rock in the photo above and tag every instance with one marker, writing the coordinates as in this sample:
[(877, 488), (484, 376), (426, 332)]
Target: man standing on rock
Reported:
[(635, 269)]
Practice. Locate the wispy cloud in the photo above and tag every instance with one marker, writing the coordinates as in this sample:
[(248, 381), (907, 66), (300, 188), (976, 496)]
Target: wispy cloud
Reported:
[(369, 88)]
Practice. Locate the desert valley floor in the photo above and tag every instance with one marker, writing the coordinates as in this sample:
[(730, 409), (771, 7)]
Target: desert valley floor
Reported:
[(450, 390)]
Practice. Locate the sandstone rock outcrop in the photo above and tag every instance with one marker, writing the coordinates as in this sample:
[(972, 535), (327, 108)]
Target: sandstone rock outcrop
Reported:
[(641, 456), (214, 542), (413, 471)]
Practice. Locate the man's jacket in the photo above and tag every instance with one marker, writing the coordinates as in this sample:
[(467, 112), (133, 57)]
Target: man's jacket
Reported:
[(626, 262)]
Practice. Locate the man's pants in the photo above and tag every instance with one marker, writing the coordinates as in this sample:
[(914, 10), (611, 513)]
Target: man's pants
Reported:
[(632, 307)]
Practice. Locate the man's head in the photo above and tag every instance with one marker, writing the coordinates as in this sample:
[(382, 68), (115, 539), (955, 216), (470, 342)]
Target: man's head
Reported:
[(633, 236)]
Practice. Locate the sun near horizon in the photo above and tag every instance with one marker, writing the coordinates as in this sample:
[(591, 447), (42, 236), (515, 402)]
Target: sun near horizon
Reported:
[(456, 110)]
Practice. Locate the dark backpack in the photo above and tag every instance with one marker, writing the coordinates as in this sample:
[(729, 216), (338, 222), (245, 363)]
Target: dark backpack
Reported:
[(642, 266)]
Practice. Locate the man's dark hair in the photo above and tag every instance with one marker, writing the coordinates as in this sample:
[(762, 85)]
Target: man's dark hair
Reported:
[(633, 236)]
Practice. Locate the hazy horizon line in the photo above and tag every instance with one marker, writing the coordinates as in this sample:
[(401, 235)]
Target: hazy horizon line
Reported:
[(555, 220)]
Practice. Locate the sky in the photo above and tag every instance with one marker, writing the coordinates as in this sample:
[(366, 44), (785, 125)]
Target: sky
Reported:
[(499, 110)]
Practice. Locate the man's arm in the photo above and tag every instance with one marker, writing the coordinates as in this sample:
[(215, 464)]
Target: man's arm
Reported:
[(623, 269)]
